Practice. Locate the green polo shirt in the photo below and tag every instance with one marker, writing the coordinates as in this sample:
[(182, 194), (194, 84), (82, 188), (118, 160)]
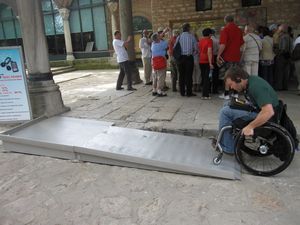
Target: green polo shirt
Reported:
[(261, 92)]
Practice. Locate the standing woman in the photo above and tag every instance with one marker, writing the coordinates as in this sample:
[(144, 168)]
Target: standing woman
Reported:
[(206, 61), (159, 64), (266, 62)]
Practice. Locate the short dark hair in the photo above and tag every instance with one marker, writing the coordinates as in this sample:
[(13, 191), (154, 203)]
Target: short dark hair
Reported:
[(236, 73), (116, 32), (229, 18), (186, 27), (206, 32)]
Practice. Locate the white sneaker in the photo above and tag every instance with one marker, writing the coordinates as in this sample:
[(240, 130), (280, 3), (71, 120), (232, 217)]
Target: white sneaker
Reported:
[(226, 97)]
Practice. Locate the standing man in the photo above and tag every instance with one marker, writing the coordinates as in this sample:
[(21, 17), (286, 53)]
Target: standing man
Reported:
[(145, 46), (173, 63), (189, 48), (231, 40), (122, 59), (215, 75), (282, 60)]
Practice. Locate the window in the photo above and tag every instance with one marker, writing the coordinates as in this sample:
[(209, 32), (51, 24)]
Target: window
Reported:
[(10, 33), (203, 5), (246, 3)]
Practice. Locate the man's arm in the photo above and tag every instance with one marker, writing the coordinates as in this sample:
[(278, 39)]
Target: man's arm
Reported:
[(262, 117), (126, 43), (221, 50)]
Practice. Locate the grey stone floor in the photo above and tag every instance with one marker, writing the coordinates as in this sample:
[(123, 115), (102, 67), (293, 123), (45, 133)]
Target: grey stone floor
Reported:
[(41, 190)]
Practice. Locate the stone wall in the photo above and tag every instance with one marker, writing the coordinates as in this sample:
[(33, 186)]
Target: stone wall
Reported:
[(171, 12)]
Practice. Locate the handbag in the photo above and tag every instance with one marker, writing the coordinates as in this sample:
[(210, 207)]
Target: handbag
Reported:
[(177, 50), (240, 104)]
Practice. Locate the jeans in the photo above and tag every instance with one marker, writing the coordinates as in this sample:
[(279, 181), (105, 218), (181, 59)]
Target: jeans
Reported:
[(227, 116)]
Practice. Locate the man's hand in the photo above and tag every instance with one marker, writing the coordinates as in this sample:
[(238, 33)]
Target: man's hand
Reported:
[(248, 131), (129, 38)]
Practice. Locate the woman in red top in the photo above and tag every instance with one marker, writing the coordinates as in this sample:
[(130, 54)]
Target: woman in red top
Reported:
[(206, 60)]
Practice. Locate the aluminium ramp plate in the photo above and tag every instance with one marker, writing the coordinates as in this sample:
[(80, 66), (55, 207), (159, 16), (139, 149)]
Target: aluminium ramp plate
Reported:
[(99, 142)]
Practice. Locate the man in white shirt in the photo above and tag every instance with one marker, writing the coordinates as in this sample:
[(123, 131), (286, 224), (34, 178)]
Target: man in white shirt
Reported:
[(145, 46), (122, 59)]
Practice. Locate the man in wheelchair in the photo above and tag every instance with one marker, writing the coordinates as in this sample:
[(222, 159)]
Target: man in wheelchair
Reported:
[(259, 133), (260, 94)]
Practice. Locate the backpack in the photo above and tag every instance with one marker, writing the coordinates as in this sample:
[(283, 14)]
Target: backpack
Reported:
[(288, 124), (296, 53), (177, 50)]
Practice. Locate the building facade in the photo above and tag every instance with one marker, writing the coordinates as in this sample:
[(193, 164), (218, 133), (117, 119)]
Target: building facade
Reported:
[(90, 21)]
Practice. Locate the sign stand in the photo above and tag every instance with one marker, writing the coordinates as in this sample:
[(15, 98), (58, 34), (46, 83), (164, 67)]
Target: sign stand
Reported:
[(14, 98)]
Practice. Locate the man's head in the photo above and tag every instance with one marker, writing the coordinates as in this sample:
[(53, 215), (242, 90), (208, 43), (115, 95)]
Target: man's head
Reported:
[(117, 34), (273, 28), (186, 27), (145, 33), (228, 19), (206, 32), (236, 78), (160, 30)]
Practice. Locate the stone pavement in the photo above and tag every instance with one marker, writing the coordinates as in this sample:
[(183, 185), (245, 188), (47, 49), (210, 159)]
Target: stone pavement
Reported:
[(41, 190)]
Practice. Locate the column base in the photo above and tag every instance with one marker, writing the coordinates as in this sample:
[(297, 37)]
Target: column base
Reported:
[(45, 98), (70, 57)]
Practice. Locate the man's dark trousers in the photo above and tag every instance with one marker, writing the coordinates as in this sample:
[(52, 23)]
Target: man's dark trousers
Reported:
[(124, 69), (186, 67)]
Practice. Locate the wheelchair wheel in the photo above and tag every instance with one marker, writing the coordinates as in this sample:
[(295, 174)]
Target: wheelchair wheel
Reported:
[(268, 152)]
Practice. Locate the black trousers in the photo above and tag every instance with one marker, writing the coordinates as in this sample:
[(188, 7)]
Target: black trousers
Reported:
[(186, 67), (124, 69), (205, 69)]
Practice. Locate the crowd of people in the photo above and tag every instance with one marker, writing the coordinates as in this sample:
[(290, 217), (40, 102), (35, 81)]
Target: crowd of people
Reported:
[(261, 51)]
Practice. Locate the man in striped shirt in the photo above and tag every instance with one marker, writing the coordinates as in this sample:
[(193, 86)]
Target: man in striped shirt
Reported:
[(189, 48)]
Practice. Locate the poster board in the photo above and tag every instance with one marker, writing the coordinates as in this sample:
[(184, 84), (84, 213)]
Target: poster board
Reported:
[(14, 98), (256, 16)]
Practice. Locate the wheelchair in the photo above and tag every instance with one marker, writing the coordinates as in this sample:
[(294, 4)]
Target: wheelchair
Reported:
[(268, 152)]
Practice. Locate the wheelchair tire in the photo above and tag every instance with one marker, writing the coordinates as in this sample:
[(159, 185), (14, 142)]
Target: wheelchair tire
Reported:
[(271, 152)]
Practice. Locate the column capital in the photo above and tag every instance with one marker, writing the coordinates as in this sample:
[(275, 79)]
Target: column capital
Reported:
[(112, 6), (64, 13)]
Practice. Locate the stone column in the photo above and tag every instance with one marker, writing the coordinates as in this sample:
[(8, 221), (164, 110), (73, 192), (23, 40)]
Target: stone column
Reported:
[(113, 8), (44, 94), (65, 13), (126, 25)]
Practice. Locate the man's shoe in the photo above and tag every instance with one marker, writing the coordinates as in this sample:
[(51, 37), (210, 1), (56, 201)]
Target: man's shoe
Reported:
[(190, 95), (120, 88), (131, 89), (161, 94), (148, 83), (154, 93)]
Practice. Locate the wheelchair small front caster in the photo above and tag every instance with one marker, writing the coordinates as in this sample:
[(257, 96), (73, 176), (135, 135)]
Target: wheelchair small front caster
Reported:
[(217, 160)]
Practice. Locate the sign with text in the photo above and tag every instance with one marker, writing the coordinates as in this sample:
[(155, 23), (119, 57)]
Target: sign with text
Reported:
[(14, 98)]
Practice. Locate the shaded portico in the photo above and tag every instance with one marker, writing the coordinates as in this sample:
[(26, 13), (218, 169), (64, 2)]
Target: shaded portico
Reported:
[(45, 95)]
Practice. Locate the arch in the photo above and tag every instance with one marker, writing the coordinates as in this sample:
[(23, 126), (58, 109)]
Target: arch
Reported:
[(141, 23)]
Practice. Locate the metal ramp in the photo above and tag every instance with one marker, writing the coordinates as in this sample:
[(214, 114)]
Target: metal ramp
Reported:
[(100, 142)]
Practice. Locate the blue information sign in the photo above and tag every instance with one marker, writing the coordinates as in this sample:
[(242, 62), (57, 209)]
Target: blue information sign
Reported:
[(14, 98)]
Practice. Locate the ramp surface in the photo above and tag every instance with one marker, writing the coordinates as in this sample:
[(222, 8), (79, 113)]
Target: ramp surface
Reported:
[(100, 142)]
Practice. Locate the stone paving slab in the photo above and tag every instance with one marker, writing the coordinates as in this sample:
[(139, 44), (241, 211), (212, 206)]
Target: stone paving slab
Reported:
[(38, 190)]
